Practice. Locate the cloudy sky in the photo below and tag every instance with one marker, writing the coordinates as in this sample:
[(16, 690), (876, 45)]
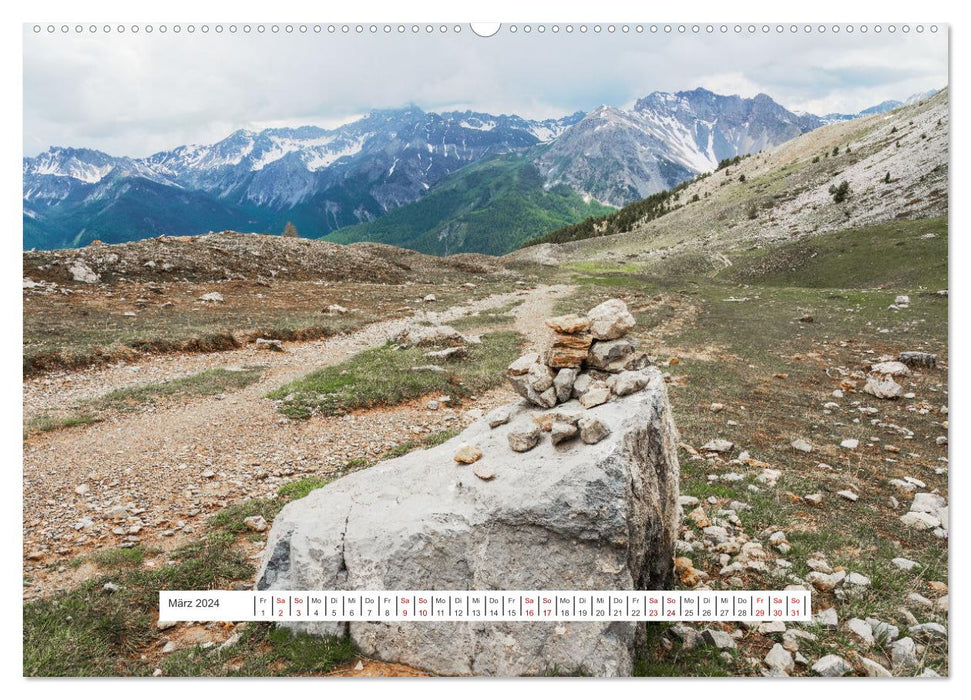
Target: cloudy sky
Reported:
[(139, 94)]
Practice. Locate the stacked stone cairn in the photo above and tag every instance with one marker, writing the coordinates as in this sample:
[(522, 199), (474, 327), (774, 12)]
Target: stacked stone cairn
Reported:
[(590, 360)]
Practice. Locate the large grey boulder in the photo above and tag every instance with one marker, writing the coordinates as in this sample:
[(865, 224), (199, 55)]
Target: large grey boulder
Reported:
[(568, 516)]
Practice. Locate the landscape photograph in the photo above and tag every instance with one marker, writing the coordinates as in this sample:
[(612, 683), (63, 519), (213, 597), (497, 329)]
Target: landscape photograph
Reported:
[(536, 307)]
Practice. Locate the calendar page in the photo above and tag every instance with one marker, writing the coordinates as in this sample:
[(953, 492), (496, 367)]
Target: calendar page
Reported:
[(423, 348)]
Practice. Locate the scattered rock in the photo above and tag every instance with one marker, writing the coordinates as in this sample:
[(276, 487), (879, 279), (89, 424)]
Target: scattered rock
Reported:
[(882, 387), (903, 655), (80, 272), (928, 632), (831, 666), (718, 639), (214, 297), (913, 358), (801, 445), (499, 416), (778, 659), (874, 669), (861, 630), (256, 523), (271, 344), (826, 618), (422, 336), (718, 445), (467, 454), (891, 369)]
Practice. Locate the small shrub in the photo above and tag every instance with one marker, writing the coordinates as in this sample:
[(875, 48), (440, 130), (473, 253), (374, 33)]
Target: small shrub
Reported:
[(840, 192)]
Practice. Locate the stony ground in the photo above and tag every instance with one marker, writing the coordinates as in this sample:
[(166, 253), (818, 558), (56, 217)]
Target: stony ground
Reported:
[(792, 475), (152, 477)]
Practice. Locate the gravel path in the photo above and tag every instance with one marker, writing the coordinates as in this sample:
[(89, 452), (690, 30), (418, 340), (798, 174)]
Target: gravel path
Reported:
[(174, 465)]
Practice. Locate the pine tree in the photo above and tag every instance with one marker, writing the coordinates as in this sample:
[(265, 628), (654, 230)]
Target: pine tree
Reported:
[(290, 231)]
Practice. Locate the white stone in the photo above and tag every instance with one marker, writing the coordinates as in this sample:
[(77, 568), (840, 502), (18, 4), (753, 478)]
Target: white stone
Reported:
[(831, 666), (598, 517), (610, 320)]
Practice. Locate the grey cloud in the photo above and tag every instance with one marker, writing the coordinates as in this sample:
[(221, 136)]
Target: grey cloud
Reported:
[(137, 94)]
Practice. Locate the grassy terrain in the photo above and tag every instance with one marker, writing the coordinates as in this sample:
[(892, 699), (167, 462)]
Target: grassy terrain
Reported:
[(498, 316), (384, 377), (743, 345), (90, 327), (89, 631), (489, 207), (891, 255), (207, 383)]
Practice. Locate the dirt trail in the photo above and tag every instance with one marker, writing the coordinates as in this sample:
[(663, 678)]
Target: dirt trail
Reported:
[(174, 465)]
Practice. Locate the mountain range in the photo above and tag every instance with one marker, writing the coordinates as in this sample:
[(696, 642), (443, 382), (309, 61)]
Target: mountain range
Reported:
[(403, 176)]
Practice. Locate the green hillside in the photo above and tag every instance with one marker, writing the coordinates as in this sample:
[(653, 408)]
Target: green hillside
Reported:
[(490, 207)]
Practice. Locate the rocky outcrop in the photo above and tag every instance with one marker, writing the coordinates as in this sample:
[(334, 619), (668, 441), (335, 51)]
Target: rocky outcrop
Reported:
[(596, 510)]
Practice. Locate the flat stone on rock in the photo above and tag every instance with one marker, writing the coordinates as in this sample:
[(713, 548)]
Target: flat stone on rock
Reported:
[(467, 454), (499, 416), (903, 654), (561, 432), (484, 471), (524, 436), (592, 430), (598, 517), (597, 393), (569, 324)]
